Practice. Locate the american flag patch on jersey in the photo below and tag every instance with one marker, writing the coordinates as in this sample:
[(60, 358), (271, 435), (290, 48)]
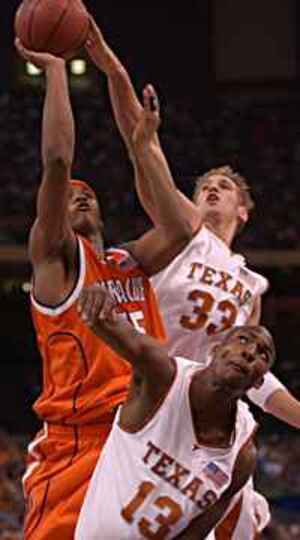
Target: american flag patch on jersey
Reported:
[(121, 258), (215, 474)]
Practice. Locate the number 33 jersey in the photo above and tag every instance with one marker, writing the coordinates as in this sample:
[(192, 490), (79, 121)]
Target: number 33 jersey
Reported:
[(150, 483), (206, 290)]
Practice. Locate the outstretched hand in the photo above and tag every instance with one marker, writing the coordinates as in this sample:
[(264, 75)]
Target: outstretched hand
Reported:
[(41, 60), (149, 121), (96, 304)]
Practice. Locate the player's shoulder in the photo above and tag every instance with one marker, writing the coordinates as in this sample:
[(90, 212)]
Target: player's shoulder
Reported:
[(121, 258), (254, 280)]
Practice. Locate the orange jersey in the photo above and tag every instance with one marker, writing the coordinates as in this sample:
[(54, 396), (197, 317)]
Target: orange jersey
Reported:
[(84, 379)]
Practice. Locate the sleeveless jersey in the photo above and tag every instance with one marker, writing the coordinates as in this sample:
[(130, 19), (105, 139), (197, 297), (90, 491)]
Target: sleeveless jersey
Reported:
[(204, 291), (152, 482), (83, 379)]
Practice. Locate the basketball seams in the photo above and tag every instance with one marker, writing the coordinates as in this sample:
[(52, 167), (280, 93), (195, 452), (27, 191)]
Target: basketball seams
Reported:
[(53, 28), (78, 43), (30, 25), (57, 25)]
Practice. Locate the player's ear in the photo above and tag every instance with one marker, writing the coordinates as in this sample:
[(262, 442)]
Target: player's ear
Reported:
[(243, 213), (213, 350)]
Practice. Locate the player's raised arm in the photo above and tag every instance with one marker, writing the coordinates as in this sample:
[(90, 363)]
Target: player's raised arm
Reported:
[(127, 112), (126, 106), (51, 230), (273, 397), (147, 356), (157, 248)]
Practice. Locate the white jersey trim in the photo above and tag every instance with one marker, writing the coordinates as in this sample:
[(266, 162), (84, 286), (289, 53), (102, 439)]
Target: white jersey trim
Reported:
[(33, 452), (61, 308)]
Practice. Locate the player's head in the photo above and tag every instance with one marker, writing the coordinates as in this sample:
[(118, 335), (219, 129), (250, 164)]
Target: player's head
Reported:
[(224, 193), (242, 359), (83, 208)]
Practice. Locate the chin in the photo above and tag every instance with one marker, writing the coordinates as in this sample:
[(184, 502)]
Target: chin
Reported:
[(82, 227)]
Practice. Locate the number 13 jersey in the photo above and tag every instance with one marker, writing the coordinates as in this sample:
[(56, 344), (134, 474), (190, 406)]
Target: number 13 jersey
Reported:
[(153, 481)]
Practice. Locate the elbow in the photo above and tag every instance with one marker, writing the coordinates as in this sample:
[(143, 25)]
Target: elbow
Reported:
[(57, 161), (145, 351), (184, 233)]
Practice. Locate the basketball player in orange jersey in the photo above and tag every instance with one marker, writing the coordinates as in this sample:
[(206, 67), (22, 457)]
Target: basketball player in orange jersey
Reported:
[(181, 447), (83, 379), (207, 288)]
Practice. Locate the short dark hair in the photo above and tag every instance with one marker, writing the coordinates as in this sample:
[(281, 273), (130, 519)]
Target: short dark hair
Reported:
[(239, 180)]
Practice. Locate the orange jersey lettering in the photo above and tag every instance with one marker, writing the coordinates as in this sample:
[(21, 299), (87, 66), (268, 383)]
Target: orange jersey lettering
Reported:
[(83, 379)]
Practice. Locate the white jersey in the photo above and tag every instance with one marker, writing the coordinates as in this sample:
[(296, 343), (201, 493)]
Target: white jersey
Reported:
[(152, 482), (206, 290)]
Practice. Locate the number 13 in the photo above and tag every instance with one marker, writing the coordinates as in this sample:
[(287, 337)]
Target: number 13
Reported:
[(165, 521)]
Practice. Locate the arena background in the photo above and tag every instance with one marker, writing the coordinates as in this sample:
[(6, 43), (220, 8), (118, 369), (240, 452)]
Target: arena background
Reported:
[(227, 73)]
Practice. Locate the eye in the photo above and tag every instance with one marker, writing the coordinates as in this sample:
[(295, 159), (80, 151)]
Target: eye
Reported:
[(243, 339), (225, 185), (264, 355)]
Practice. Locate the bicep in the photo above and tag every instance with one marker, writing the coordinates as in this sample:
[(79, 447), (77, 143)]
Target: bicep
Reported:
[(45, 247)]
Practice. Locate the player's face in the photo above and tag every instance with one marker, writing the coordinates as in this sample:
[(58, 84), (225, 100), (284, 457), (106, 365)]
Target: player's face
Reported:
[(220, 196), (84, 211), (244, 357)]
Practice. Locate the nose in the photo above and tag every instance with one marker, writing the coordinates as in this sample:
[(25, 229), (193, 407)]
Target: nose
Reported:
[(249, 353), (81, 197)]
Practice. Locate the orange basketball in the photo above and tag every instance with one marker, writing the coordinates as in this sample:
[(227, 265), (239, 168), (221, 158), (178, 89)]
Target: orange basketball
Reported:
[(55, 26)]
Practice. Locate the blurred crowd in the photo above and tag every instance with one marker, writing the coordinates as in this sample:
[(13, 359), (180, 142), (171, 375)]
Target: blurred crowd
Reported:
[(278, 477), (12, 451), (259, 137)]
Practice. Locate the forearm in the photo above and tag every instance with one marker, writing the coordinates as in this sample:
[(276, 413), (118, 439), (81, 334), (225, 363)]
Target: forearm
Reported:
[(58, 134), (201, 526), (125, 340), (145, 194), (284, 406), (57, 154), (169, 212), (125, 105), (261, 396)]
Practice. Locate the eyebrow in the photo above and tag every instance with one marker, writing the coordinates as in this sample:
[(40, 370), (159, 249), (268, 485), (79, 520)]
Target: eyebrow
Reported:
[(266, 347)]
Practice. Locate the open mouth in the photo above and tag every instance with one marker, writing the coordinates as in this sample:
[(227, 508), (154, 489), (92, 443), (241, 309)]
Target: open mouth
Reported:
[(238, 368), (212, 198)]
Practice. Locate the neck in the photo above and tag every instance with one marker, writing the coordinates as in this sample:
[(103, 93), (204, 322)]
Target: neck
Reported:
[(213, 405), (97, 242), (225, 231)]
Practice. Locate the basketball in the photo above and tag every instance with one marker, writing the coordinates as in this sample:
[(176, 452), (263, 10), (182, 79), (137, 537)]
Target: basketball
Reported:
[(54, 26)]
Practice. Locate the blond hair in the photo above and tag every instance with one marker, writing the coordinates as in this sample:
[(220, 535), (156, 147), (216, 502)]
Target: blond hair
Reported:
[(239, 180)]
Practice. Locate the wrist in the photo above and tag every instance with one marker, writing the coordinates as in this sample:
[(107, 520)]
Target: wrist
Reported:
[(55, 64)]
